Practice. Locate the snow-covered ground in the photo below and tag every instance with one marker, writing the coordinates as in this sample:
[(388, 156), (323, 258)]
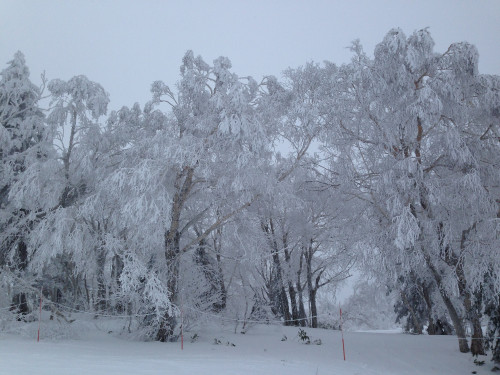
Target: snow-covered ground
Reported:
[(260, 351)]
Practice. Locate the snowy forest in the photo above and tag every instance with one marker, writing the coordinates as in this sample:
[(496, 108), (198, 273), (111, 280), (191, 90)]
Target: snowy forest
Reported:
[(228, 197)]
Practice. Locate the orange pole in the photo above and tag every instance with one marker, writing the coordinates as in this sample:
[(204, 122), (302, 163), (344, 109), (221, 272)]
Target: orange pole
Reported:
[(182, 324), (342, 331), (40, 314)]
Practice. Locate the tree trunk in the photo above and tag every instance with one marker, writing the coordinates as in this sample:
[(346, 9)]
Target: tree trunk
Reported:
[(87, 294), (167, 326), (473, 312), (213, 277), (291, 289), (416, 324), (278, 291), (463, 346), (183, 185), (313, 311), (477, 346), (285, 308), (473, 315), (67, 194), (101, 302), (431, 327), (477, 343), (302, 311), (293, 302), (222, 286), (457, 322), (19, 300), (494, 331)]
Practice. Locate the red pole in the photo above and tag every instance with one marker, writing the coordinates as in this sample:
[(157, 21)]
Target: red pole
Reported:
[(182, 325), (342, 331), (39, 315)]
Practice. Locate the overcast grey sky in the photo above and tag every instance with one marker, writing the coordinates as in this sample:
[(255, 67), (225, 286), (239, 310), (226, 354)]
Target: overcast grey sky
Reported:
[(126, 45)]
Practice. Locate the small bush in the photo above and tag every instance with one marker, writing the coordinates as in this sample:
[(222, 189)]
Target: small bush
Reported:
[(304, 337), (478, 363)]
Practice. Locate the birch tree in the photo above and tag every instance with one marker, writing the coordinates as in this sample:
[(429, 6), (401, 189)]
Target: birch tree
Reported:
[(413, 121)]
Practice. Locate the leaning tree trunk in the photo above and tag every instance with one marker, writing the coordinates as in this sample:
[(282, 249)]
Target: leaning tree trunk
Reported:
[(463, 346), (457, 322)]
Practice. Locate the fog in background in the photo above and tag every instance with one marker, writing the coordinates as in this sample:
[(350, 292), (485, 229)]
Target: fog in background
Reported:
[(126, 45)]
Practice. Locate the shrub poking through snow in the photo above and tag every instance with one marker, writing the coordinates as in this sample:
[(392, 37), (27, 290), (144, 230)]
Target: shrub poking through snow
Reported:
[(478, 363), (304, 337)]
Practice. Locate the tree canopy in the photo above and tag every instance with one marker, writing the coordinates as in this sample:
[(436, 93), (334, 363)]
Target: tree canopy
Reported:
[(255, 200)]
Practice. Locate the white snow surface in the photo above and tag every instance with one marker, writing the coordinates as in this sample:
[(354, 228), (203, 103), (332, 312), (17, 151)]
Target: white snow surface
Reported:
[(99, 350)]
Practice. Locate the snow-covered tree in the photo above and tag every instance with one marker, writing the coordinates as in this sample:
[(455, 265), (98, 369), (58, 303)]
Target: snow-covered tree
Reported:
[(193, 165), (22, 147), (76, 106), (188, 202), (413, 128), (64, 235)]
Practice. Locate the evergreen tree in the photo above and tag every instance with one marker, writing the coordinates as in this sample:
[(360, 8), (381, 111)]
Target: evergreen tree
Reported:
[(22, 146)]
